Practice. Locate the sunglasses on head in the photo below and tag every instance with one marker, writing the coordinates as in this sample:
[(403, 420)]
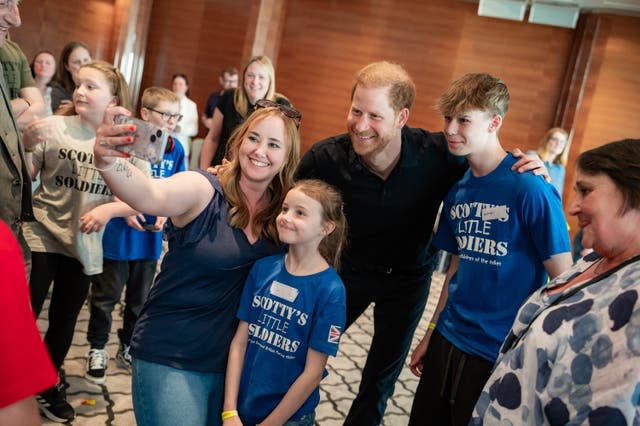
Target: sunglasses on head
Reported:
[(290, 112)]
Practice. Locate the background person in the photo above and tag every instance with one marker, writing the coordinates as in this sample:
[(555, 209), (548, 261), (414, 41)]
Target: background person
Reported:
[(235, 105), (228, 80), (218, 228), (43, 69), (188, 126), (131, 251), (73, 55), (71, 205), (572, 355), (554, 151), (26, 101), (15, 181)]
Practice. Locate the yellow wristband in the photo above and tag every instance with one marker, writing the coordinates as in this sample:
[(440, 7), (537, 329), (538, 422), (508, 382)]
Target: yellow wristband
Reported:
[(432, 326), (228, 414)]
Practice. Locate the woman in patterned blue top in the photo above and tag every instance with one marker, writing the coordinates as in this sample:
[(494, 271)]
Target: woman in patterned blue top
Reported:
[(573, 354), (217, 229)]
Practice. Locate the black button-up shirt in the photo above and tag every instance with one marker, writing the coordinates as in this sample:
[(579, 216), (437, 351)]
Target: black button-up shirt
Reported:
[(390, 221)]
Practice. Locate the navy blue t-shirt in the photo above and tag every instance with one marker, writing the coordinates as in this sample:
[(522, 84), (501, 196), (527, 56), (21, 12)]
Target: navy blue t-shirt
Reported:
[(189, 318)]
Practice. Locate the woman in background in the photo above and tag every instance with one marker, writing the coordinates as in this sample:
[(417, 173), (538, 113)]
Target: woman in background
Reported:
[(554, 151), (235, 105), (43, 68), (188, 126), (74, 55)]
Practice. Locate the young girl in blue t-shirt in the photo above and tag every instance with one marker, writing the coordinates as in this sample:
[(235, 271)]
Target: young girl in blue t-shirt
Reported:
[(292, 313)]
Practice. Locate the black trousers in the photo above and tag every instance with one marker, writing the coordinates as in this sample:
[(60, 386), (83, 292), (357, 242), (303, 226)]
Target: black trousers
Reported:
[(70, 287), (106, 289), (450, 385), (399, 300)]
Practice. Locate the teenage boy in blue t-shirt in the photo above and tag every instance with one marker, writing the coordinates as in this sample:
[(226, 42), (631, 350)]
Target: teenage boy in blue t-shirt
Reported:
[(506, 232), (132, 247)]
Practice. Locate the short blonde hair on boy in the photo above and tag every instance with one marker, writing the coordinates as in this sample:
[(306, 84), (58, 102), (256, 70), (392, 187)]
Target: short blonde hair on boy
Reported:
[(152, 96), (479, 91)]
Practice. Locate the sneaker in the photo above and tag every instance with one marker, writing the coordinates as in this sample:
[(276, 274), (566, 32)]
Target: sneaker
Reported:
[(123, 359), (96, 366), (53, 404)]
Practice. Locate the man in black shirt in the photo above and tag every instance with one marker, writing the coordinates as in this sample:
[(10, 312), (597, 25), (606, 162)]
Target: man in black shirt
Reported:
[(393, 179)]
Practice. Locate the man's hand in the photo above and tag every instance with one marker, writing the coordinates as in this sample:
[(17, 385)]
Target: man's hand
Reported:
[(530, 163)]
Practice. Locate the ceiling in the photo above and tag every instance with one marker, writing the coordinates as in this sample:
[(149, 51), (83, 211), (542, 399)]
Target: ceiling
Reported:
[(631, 7), (621, 7)]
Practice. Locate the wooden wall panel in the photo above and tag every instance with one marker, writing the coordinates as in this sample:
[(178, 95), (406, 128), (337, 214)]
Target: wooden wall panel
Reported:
[(325, 43), (50, 24), (197, 38), (610, 110), (615, 112)]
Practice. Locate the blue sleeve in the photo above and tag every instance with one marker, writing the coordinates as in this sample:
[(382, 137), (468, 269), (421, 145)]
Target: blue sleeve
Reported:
[(543, 215), (445, 238), (181, 162), (195, 230), (329, 323)]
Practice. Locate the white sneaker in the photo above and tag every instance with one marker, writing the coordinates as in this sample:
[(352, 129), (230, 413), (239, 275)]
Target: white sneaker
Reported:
[(96, 366)]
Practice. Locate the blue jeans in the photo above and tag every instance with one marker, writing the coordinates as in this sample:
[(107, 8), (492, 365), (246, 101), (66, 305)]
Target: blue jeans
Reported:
[(306, 420), (167, 396)]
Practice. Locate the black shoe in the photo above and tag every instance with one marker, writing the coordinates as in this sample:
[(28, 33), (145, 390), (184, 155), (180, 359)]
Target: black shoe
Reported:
[(53, 404), (123, 359)]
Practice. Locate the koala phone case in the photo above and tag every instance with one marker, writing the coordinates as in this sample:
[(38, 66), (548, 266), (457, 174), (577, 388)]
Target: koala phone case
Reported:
[(149, 141)]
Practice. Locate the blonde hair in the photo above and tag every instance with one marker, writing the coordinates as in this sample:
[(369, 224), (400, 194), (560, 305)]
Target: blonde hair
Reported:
[(402, 90), (332, 211), (264, 221), (544, 144), (475, 91), (118, 86), (152, 96), (240, 99)]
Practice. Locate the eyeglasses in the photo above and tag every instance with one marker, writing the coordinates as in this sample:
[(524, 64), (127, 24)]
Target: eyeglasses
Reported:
[(166, 116), (290, 112)]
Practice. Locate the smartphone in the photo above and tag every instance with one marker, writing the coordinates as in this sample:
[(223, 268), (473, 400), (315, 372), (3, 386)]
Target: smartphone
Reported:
[(149, 141), (149, 226)]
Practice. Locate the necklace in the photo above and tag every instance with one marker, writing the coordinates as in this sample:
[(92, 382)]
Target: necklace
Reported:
[(598, 265)]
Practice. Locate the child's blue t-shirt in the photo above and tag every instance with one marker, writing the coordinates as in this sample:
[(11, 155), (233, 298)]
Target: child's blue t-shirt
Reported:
[(502, 226), (122, 242), (286, 315)]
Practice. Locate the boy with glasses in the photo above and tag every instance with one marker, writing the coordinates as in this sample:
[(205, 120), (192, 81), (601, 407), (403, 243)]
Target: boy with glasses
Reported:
[(132, 247)]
